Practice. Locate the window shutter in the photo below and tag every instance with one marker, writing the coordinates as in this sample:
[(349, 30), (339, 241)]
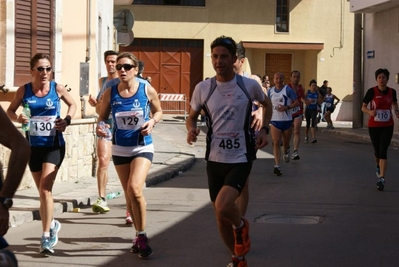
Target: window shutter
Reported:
[(34, 25)]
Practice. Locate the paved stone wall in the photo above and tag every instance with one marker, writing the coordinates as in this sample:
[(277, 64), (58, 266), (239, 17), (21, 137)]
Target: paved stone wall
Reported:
[(80, 155)]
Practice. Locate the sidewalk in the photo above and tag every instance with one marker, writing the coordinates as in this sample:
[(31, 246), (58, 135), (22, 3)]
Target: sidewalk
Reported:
[(171, 156), (345, 129)]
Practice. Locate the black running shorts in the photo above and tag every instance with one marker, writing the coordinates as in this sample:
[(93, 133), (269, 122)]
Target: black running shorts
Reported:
[(231, 174)]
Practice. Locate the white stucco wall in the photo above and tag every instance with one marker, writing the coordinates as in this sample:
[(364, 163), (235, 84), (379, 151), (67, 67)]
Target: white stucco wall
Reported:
[(381, 34)]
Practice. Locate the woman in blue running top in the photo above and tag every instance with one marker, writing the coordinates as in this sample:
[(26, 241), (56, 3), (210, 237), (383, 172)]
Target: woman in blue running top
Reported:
[(312, 99), (132, 102), (329, 100), (45, 137)]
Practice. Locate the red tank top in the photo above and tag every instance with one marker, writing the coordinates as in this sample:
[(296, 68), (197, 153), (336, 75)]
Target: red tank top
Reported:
[(382, 104), (299, 93)]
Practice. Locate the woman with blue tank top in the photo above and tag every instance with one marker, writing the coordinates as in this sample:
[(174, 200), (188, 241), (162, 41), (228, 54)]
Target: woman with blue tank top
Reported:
[(312, 99), (131, 102), (45, 137)]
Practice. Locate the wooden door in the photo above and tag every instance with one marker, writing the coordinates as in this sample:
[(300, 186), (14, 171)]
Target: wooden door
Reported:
[(175, 65), (278, 63), (170, 79)]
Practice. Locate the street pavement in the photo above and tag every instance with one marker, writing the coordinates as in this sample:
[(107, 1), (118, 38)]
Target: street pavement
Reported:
[(188, 209), (172, 156)]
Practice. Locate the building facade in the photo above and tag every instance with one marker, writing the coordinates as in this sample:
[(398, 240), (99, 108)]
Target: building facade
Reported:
[(314, 37), (173, 39), (379, 44), (74, 33)]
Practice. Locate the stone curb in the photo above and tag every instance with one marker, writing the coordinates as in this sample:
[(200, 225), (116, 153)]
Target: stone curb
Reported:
[(357, 135)]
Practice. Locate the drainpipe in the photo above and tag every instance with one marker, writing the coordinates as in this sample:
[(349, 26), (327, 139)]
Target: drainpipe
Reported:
[(341, 34), (82, 99), (87, 59), (88, 36), (357, 97)]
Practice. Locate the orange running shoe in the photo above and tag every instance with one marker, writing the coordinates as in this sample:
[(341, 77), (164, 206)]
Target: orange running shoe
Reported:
[(241, 237), (237, 263)]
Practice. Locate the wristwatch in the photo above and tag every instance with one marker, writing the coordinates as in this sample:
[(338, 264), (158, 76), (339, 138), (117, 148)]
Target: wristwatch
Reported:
[(7, 202), (267, 129)]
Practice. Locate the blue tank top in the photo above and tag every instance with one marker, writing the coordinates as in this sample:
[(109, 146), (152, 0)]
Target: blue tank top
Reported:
[(312, 97), (44, 111), (329, 99), (129, 114)]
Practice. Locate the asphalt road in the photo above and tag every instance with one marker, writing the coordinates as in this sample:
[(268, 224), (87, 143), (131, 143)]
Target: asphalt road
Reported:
[(324, 210)]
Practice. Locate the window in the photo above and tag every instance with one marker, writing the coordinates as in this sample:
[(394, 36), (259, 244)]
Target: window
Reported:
[(282, 16), (33, 34), (170, 2)]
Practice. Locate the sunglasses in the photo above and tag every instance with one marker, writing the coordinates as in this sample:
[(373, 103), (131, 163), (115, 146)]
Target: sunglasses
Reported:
[(41, 69), (125, 66)]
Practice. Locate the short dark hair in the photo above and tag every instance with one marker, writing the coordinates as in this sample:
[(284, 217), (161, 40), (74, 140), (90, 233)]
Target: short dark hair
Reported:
[(227, 42), (109, 53), (312, 81), (141, 67), (295, 71), (240, 50), (325, 81), (383, 71)]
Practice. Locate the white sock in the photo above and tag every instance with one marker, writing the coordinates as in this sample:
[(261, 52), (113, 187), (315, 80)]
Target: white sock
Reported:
[(241, 225)]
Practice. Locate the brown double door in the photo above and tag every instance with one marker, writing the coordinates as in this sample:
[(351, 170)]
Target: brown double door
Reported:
[(175, 66), (278, 63)]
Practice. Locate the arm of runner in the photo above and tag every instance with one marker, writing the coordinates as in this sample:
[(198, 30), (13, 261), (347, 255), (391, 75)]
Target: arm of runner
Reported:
[(156, 111), (104, 113), (257, 118), (61, 124), (15, 103), (336, 98), (191, 126), (268, 111), (11, 138)]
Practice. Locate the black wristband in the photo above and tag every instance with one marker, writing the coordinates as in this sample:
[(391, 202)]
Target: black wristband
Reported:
[(266, 128), (68, 119)]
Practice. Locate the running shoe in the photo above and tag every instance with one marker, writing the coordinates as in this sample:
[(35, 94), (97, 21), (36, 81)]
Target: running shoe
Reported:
[(143, 247), (45, 246), (377, 171), (237, 262), (328, 127), (135, 247), (242, 243), (381, 184), (287, 155), (295, 155), (306, 140), (54, 233), (129, 220), (332, 127), (100, 206), (277, 171), (314, 141)]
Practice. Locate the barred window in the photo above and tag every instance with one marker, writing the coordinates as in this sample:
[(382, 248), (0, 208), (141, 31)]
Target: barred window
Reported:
[(282, 16)]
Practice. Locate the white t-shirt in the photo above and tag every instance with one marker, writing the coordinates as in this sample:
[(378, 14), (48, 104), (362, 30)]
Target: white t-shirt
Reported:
[(229, 107)]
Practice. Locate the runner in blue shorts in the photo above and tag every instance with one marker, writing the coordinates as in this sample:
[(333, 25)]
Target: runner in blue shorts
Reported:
[(283, 99)]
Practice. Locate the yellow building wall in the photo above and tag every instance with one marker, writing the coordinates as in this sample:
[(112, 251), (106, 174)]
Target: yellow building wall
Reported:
[(312, 21)]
